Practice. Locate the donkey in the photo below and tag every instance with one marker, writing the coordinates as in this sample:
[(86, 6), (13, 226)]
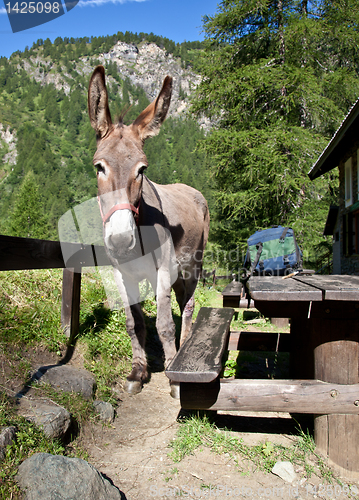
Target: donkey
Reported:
[(174, 217)]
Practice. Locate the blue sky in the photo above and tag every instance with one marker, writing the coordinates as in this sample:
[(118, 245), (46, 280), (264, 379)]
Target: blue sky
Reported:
[(177, 20)]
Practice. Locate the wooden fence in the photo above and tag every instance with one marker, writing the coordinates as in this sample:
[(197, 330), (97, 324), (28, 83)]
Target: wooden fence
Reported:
[(27, 253), (212, 277)]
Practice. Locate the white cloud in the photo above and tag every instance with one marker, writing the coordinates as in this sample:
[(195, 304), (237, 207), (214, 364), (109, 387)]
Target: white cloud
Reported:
[(97, 3), (2, 10)]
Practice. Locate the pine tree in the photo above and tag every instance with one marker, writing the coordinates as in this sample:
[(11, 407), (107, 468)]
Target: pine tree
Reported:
[(278, 78), (28, 216)]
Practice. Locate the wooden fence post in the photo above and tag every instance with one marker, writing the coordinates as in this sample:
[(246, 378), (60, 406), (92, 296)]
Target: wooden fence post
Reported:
[(70, 307)]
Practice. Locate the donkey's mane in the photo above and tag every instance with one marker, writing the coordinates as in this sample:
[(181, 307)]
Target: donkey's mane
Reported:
[(121, 116)]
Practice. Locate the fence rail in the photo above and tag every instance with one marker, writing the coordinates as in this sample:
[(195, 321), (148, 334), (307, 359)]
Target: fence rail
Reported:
[(27, 253), (213, 277)]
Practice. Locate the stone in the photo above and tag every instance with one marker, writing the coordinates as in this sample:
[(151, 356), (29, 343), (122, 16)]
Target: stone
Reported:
[(7, 437), (105, 411), (68, 379), (285, 471), (54, 420), (54, 477)]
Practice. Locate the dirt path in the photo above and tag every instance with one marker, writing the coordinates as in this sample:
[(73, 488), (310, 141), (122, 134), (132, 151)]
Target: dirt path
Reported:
[(133, 452)]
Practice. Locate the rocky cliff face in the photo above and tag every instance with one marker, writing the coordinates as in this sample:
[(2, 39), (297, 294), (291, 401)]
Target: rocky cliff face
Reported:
[(145, 65)]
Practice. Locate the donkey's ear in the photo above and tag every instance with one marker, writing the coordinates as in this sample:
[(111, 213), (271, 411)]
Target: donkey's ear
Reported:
[(148, 123), (99, 111)]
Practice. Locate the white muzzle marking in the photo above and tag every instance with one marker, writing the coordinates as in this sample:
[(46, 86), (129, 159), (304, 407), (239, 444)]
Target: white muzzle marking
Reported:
[(120, 231)]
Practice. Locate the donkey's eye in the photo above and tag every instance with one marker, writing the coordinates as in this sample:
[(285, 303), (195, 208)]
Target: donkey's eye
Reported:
[(99, 167), (141, 170)]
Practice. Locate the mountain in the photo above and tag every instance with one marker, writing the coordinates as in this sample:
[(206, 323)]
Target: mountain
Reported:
[(45, 130)]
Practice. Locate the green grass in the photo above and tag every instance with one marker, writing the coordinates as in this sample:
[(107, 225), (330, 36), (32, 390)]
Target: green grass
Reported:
[(30, 314), (30, 311), (30, 302), (196, 432)]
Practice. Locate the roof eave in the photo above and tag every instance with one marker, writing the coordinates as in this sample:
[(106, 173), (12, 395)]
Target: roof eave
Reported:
[(341, 141)]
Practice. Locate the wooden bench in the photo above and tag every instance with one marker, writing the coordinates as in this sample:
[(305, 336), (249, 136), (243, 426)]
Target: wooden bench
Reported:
[(324, 361), (198, 364), (200, 357), (324, 331)]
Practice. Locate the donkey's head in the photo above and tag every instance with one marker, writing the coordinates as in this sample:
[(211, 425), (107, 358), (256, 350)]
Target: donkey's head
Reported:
[(120, 160)]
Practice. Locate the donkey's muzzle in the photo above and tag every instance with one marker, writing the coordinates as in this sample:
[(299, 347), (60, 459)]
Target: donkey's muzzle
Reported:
[(120, 234)]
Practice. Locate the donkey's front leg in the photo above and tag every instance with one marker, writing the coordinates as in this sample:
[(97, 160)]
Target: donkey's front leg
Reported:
[(136, 329), (165, 326)]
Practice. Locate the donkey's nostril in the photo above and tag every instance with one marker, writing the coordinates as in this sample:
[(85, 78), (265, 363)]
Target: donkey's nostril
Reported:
[(121, 243)]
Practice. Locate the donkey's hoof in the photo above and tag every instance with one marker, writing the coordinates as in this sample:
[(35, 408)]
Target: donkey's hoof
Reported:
[(175, 390), (133, 387)]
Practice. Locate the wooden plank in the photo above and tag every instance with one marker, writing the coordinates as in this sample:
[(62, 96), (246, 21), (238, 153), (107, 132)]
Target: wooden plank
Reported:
[(259, 341), (200, 357), (275, 288), (326, 309), (233, 296), (294, 396), (28, 253), (334, 287), (229, 301), (77, 256), (284, 309), (335, 309), (335, 344)]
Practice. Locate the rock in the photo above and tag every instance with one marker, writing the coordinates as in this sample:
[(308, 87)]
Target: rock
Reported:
[(54, 477), (104, 410), (67, 379), (54, 419), (125, 51), (285, 471), (10, 138), (7, 437)]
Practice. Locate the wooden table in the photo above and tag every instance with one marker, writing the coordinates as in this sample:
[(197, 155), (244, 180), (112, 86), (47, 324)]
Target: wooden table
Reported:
[(233, 296), (324, 312)]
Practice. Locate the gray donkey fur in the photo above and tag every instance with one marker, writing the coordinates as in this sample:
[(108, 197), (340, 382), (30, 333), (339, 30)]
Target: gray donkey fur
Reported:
[(166, 224)]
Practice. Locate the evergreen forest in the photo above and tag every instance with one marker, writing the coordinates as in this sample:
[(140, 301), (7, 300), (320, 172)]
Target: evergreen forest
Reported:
[(277, 79)]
